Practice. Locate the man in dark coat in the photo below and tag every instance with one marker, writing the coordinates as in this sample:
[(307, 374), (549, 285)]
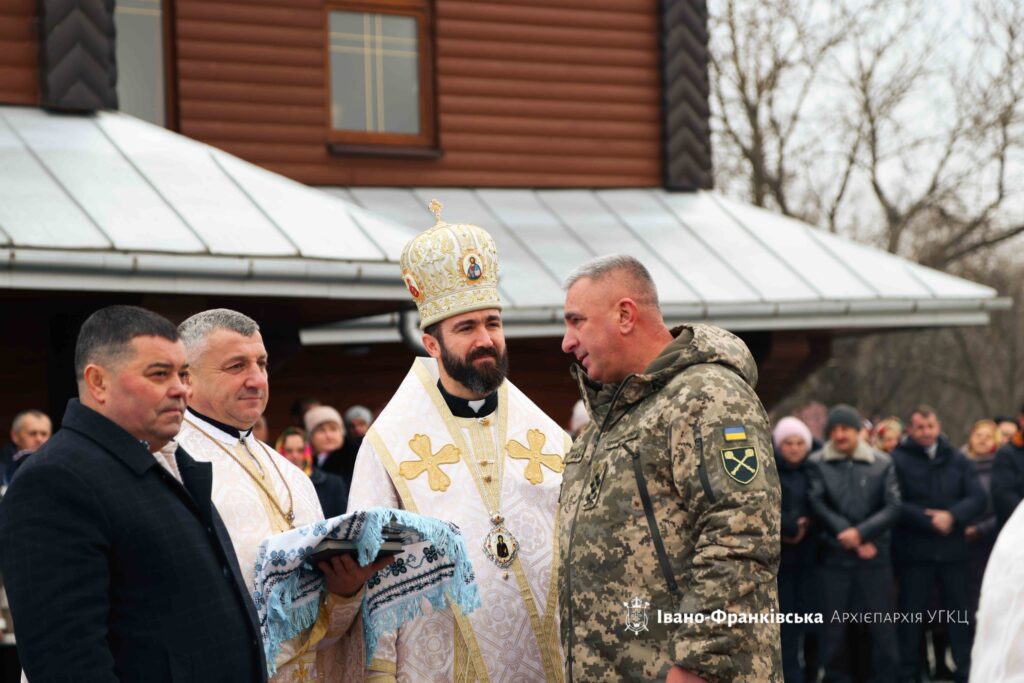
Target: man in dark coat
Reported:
[(117, 565), (941, 497), (1008, 474), (856, 500)]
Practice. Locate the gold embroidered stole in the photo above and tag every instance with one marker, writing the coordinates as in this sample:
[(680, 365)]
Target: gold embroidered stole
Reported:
[(267, 475), (431, 471)]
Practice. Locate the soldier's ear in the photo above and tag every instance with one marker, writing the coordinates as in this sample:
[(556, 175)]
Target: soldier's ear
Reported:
[(628, 313)]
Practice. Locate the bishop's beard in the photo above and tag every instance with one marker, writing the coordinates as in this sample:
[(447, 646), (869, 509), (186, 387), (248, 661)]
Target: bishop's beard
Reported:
[(482, 380)]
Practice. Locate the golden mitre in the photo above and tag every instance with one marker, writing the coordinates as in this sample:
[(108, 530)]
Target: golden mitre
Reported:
[(450, 269)]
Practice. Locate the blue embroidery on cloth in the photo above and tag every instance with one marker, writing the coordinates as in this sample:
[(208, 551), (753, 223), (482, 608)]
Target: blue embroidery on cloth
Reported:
[(434, 567)]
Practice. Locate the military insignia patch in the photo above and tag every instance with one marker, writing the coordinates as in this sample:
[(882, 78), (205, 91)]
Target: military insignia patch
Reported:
[(594, 490), (740, 463), (735, 433)]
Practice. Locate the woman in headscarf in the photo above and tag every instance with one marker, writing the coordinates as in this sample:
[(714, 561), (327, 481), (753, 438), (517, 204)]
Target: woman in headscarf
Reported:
[(886, 434), (798, 566)]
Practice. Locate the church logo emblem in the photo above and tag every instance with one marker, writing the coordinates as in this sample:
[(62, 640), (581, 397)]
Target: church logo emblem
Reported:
[(636, 615)]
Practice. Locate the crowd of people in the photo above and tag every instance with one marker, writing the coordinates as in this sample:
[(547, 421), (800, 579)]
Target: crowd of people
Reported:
[(880, 517), (889, 518)]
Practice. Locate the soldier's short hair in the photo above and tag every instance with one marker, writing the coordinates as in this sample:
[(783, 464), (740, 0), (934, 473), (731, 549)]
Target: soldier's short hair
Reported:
[(645, 291), (196, 330), (105, 336)]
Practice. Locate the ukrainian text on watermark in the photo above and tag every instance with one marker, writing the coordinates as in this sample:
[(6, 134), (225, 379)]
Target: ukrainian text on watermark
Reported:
[(637, 619), (773, 617)]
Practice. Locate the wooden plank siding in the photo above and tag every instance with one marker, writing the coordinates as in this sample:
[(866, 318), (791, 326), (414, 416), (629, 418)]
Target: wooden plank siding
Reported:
[(529, 93), (19, 52)]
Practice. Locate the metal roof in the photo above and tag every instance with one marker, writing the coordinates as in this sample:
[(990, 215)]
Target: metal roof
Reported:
[(713, 259), (110, 202)]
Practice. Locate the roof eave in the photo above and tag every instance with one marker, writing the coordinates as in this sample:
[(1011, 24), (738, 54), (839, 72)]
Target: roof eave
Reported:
[(859, 315), (106, 271)]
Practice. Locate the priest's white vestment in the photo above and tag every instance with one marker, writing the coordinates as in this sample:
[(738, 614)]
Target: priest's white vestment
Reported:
[(332, 649)]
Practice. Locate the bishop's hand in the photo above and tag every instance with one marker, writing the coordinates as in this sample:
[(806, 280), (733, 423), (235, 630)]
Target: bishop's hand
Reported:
[(346, 578)]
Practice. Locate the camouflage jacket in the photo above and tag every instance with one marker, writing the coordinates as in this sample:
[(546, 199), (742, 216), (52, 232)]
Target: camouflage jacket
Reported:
[(671, 496)]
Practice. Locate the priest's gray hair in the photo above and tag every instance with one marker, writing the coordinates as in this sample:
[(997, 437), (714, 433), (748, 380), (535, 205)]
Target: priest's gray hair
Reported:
[(638, 278), (196, 330)]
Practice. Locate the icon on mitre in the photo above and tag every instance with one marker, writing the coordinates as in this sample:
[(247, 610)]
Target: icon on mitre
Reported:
[(411, 285), (471, 266)]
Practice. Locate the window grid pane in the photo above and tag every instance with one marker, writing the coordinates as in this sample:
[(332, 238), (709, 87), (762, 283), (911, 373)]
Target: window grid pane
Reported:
[(374, 72)]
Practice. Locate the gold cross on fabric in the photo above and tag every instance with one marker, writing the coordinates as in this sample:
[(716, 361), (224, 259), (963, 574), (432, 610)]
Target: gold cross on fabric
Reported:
[(536, 439), (430, 462)]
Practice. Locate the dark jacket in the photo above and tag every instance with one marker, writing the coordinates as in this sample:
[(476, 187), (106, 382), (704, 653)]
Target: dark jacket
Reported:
[(980, 549), (796, 488), (115, 571), (947, 482), (332, 490), (987, 525), (1008, 479), (854, 491), (343, 460)]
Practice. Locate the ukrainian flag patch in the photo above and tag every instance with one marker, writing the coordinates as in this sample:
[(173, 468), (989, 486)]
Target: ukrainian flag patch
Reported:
[(735, 433)]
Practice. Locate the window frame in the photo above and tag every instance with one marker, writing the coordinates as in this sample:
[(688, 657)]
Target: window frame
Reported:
[(423, 143), (170, 37)]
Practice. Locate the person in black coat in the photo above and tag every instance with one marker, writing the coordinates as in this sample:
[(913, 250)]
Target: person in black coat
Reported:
[(331, 489), (1008, 474), (856, 500), (981, 535), (798, 586), (117, 566), (334, 448), (941, 497)]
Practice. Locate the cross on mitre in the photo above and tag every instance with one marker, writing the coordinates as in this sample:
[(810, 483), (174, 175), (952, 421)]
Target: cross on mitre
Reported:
[(536, 439), (435, 208), (429, 462)]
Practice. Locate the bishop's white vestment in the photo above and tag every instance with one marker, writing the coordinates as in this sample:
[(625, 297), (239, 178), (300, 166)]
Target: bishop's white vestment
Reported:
[(420, 457), (331, 650)]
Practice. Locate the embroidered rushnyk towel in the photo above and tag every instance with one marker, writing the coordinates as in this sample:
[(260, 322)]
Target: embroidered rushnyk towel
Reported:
[(432, 570)]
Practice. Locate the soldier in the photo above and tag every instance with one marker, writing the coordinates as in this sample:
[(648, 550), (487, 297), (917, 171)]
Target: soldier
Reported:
[(670, 497)]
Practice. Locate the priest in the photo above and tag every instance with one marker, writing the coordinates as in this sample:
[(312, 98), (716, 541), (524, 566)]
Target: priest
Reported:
[(459, 442), (257, 492)]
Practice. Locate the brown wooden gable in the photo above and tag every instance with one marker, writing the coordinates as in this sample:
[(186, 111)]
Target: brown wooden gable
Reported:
[(19, 52), (556, 93)]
